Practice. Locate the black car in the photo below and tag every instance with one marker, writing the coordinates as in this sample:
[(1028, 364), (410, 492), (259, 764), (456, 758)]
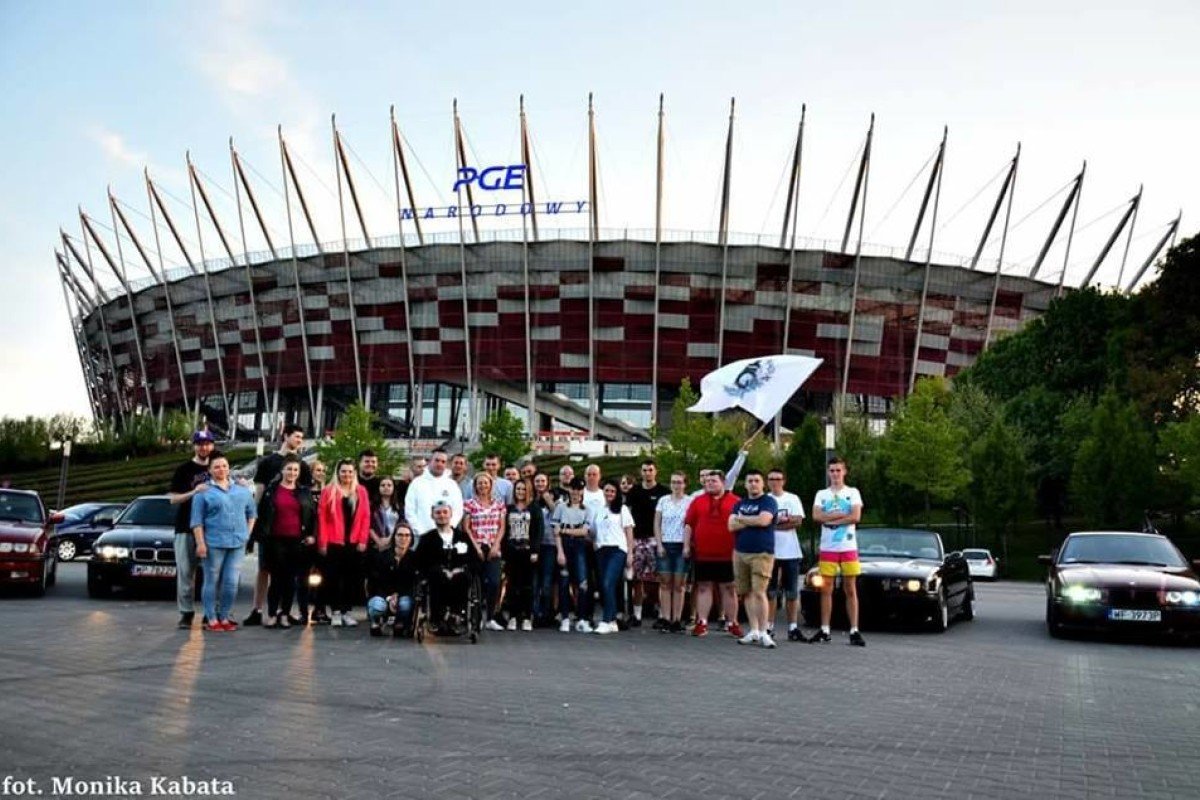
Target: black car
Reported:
[(74, 536), (906, 578), (1129, 582), (138, 551)]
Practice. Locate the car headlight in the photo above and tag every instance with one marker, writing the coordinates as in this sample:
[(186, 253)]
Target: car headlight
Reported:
[(1187, 598), (912, 585), (816, 581), (21, 547), (6, 547), (109, 551), (1082, 594), (314, 580)]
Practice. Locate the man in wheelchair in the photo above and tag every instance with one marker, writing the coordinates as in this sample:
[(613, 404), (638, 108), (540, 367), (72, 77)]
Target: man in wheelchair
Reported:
[(447, 561)]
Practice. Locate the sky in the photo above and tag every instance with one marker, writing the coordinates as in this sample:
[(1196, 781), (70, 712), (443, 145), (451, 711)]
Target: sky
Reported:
[(94, 93)]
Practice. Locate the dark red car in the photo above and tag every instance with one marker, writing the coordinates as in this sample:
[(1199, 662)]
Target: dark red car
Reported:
[(26, 557)]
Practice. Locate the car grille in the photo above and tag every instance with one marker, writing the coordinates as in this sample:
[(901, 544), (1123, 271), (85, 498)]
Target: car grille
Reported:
[(1133, 598), (151, 555)]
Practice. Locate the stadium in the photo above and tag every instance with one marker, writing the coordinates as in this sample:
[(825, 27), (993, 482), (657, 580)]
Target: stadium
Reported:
[(587, 330)]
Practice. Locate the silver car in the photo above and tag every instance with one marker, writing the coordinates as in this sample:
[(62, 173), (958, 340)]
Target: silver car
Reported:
[(982, 564)]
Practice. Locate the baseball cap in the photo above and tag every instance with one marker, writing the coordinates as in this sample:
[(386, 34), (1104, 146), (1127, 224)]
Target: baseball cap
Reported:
[(203, 436), (442, 503)]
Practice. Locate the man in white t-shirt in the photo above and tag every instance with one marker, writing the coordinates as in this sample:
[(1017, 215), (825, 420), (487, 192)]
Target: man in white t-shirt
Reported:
[(433, 486), (593, 493), (838, 509), (785, 580)]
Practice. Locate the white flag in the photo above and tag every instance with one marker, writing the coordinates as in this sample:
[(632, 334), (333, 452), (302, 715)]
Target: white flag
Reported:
[(759, 385)]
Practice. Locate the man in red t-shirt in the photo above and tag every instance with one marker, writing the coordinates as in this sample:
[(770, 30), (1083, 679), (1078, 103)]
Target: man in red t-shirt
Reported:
[(709, 543)]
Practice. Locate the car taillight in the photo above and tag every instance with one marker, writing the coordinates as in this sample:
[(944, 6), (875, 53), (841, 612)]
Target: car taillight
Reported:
[(990, 562)]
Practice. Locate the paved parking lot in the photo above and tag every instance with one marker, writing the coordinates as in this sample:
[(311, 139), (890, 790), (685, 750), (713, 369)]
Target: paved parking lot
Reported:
[(994, 708)]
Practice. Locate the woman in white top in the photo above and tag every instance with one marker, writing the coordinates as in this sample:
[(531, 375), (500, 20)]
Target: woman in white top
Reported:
[(612, 526), (672, 566)]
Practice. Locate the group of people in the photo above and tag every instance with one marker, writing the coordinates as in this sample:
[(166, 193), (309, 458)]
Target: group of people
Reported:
[(545, 553)]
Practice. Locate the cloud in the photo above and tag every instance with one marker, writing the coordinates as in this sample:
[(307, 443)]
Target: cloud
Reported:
[(115, 147)]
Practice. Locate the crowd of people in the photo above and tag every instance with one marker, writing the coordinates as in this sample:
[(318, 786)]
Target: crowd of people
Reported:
[(583, 554)]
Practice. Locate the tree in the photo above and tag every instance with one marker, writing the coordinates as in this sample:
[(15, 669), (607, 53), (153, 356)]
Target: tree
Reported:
[(1113, 477), (178, 426), (804, 460), (66, 427), (924, 447), (356, 431), (1179, 453), (1000, 486), (696, 441), (501, 433)]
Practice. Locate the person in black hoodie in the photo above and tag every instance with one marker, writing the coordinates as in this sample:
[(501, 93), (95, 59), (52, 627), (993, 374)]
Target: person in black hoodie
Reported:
[(446, 559), (390, 585), (522, 546), (288, 516)]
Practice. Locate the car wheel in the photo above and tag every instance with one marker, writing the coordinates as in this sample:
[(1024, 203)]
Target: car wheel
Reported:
[(39, 588), (53, 578), (941, 614), (1053, 626), (967, 612), (96, 587), (67, 550)]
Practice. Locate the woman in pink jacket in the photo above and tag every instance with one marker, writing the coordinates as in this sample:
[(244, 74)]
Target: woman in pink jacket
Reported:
[(343, 529)]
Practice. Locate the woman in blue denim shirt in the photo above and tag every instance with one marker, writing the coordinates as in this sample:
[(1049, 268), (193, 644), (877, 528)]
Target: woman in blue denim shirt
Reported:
[(222, 519)]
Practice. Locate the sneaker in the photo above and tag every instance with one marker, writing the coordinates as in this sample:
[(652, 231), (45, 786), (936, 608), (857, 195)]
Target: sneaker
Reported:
[(750, 638), (677, 627), (700, 629), (606, 628), (297, 620), (512, 624), (336, 619), (564, 626), (583, 626), (771, 632), (857, 640), (735, 630), (255, 618), (794, 635), (284, 622), (820, 637), (492, 625), (228, 625), (186, 618), (527, 625), (766, 641), (661, 624), (273, 623), (376, 630), (635, 622), (213, 626), (349, 621)]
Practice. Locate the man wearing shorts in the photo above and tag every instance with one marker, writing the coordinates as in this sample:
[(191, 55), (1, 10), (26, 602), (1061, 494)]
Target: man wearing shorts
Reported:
[(753, 523), (707, 540), (642, 501), (838, 510), (785, 582)]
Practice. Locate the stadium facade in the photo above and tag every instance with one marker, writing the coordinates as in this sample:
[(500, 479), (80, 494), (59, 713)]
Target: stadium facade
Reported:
[(593, 331)]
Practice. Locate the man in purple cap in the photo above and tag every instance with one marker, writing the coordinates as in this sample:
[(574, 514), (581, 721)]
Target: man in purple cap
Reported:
[(188, 481)]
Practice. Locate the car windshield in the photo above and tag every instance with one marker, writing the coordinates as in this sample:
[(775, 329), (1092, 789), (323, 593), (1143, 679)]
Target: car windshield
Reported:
[(1116, 549), (18, 507), (899, 544), (156, 511), (976, 555), (76, 513)]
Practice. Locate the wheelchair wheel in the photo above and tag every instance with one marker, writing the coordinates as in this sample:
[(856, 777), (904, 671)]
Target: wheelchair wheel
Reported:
[(420, 618), (475, 607), (474, 637)]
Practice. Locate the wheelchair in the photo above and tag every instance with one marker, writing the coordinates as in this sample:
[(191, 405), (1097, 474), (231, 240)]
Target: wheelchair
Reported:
[(466, 620)]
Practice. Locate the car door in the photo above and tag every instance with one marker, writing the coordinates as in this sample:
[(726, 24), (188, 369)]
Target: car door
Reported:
[(956, 575), (100, 522)]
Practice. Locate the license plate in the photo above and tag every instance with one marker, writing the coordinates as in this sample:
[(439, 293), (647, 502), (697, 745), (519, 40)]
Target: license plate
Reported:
[(1134, 615), (153, 571)]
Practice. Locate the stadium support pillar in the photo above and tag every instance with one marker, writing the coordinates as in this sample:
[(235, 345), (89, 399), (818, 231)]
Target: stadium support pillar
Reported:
[(1062, 276), (527, 196), (398, 157), (1005, 189), (101, 299), (658, 208), (593, 233), (230, 421), (938, 167), (79, 346), (472, 405), (161, 278), (1130, 213), (864, 173), (143, 378), (337, 147), (860, 188), (1128, 241), (991, 320), (285, 166), (527, 160), (460, 153), (1072, 199), (723, 236), (791, 215), (935, 177), (414, 395), (1172, 229)]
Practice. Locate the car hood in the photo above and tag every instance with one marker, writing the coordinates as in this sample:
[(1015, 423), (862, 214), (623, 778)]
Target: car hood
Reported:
[(899, 567), (1129, 576), (19, 531), (137, 536)]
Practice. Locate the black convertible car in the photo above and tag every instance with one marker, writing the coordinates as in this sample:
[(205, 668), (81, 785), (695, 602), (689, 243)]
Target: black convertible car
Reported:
[(906, 578), (138, 551), (1132, 582)]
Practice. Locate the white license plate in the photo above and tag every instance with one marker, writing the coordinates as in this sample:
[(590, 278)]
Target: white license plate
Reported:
[(1134, 615), (153, 571)]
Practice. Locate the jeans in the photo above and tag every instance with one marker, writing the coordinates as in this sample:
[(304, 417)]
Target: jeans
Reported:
[(576, 550), (222, 568), (491, 583), (343, 577), (546, 576), (518, 599), (785, 579), (185, 572), (286, 557), (610, 563), (377, 610)]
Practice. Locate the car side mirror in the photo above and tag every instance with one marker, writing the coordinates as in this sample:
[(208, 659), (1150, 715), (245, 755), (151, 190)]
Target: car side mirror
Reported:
[(57, 518), (1196, 563), (953, 555), (1045, 559)]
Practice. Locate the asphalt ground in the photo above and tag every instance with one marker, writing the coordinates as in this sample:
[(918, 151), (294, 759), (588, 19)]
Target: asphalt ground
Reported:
[(994, 708)]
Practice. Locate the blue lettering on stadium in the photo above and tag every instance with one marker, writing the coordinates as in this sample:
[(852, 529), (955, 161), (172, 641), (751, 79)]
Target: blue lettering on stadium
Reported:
[(497, 210)]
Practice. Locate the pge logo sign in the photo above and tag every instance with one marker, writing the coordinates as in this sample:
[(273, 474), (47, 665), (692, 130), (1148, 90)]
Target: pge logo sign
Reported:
[(491, 179)]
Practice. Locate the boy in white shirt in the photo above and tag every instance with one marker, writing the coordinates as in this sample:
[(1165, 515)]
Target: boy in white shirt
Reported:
[(838, 509)]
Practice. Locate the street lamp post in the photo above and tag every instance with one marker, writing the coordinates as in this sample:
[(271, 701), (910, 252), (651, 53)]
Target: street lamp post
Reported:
[(62, 475)]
